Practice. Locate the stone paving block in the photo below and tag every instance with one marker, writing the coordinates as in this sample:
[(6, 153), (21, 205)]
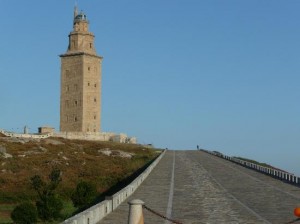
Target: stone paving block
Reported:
[(208, 189)]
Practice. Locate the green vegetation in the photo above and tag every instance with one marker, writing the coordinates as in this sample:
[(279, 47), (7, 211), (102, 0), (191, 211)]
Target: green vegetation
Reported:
[(27, 173), (5, 210), (68, 209), (49, 205), (255, 162), (24, 213), (84, 194)]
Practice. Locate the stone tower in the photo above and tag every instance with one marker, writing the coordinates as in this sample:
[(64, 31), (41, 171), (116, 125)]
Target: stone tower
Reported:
[(80, 98)]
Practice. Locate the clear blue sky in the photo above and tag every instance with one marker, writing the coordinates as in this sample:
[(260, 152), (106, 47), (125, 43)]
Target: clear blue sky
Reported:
[(176, 73)]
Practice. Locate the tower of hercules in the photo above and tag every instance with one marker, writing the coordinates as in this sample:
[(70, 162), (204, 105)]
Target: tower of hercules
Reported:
[(80, 99)]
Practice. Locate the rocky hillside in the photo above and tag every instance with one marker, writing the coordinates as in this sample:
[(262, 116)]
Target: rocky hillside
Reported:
[(103, 163)]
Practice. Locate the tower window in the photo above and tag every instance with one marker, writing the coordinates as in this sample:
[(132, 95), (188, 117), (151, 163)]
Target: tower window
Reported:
[(95, 117), (88, 84), (91, 45), (75, 102), (75, 118), (95, 100), (67, 73), (95, 85), (89, 68)]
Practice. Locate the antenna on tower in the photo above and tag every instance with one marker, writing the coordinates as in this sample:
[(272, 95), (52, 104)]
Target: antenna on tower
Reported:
[(75, 9)]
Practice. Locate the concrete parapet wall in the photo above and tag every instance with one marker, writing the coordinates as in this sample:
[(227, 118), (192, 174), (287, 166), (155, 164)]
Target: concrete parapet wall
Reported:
[(96, 136), (16, 135), (100, 136), (97, 212), (123, 194), (275, 173), (93, 214)]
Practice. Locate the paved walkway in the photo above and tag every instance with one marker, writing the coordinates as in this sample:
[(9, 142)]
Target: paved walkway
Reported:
[(195, 187)]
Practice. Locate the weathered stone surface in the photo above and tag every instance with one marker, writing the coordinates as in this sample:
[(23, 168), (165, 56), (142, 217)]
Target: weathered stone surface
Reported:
[(53, 142), (116, 153), (2, 149), (5, 155), (208, 189), (80, 100), (154, 192), (19, 140)]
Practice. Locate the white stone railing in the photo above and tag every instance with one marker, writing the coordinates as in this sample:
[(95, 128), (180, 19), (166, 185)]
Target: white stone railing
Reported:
[(17, 135), (273, 172), (97, 136), (97, 212)]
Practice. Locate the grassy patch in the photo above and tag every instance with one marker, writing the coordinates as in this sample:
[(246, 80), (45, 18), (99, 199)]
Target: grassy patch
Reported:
[(5, 210), (258, 163), (78, 160), (254, 162), (68, 209)]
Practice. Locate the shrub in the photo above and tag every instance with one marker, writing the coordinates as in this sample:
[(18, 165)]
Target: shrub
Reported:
[(49, 204), (24, 213), (84, 194), (49, 208)]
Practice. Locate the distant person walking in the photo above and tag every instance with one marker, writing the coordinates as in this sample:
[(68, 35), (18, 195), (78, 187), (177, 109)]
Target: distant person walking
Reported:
[(197, 147)]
